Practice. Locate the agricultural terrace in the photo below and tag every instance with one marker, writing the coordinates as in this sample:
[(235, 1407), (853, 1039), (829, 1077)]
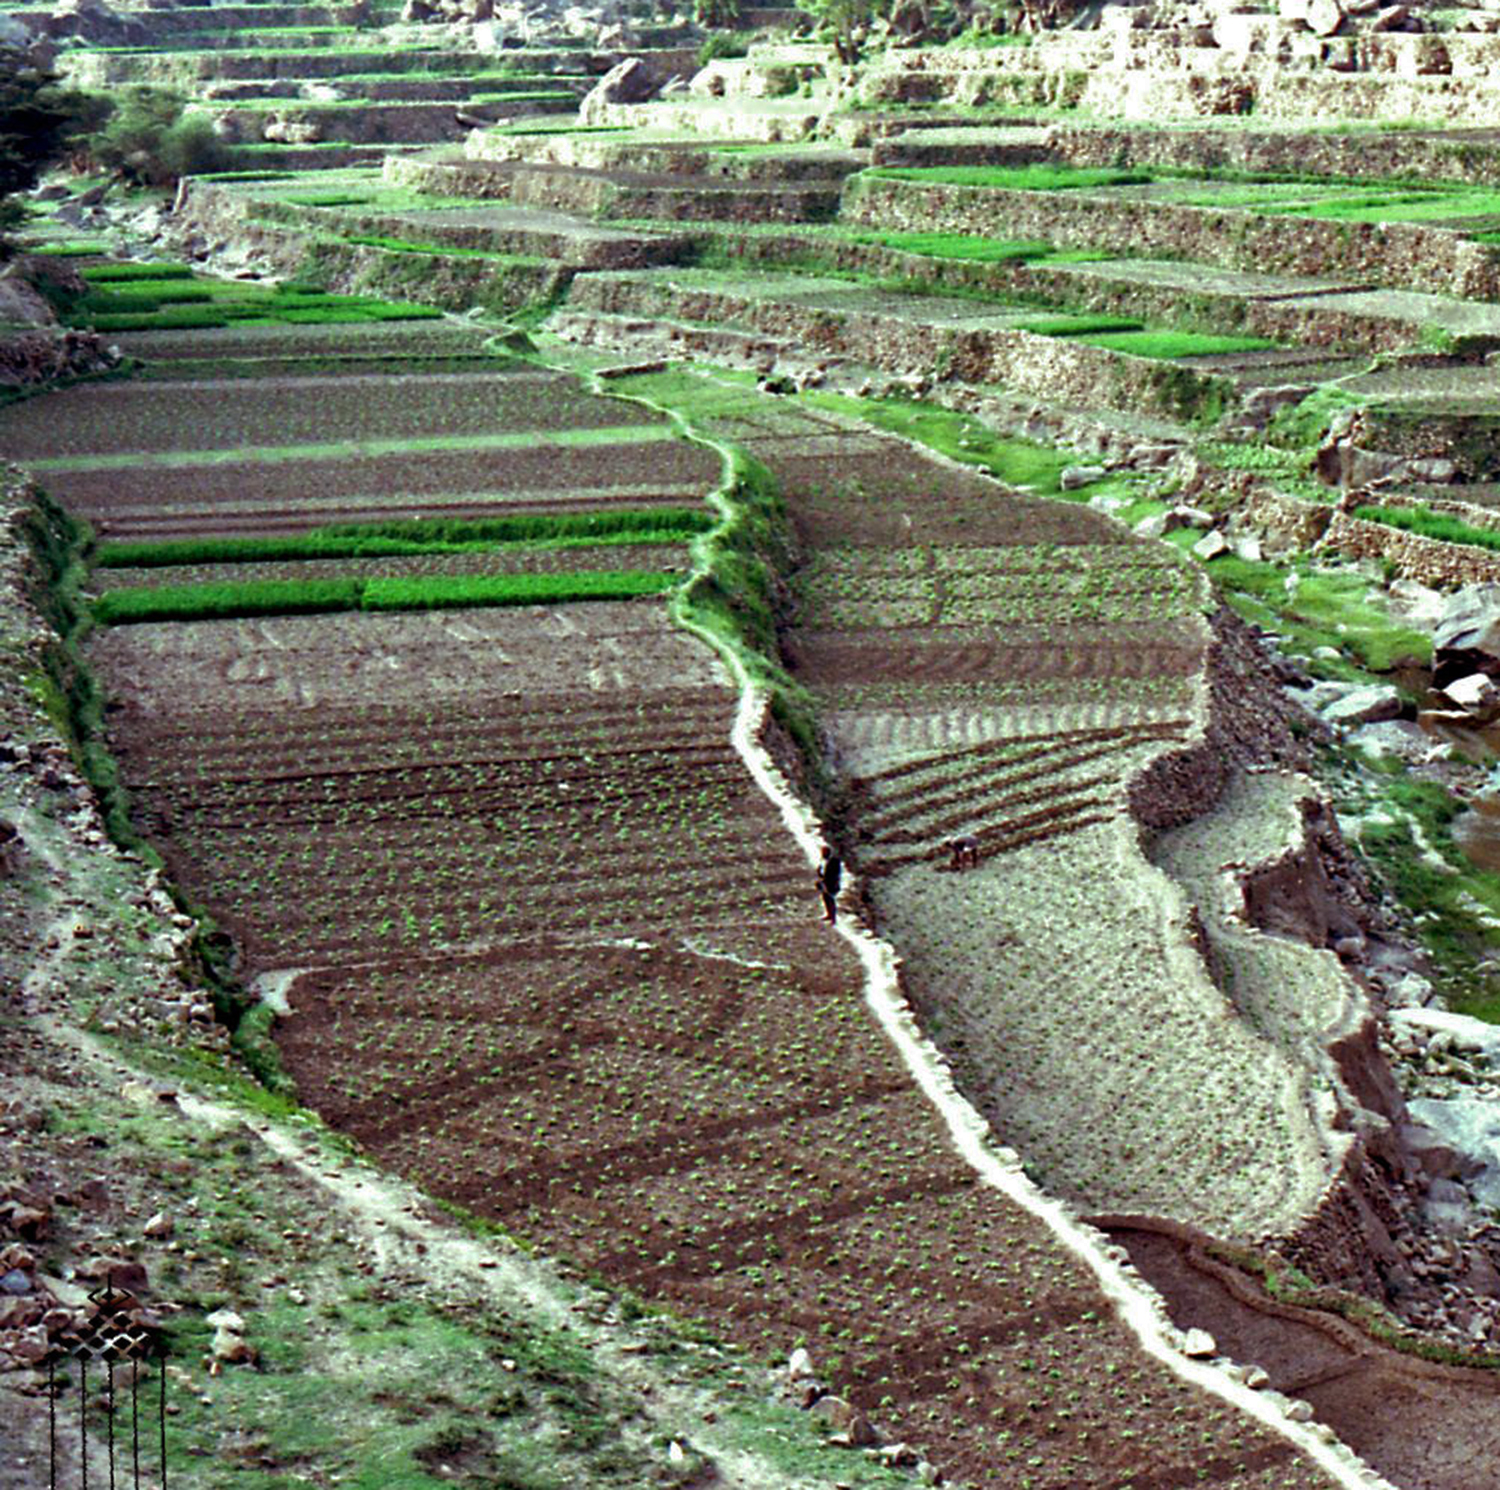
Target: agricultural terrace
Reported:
[(995, 665), (544, 948), (340, 424), (538, 942)]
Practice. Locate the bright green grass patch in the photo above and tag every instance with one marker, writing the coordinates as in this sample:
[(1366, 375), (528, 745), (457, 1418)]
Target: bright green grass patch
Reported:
[(1079, 325), (441, 592), (1168, 345), (437, 250), (1035, 177), (1402, 207), (957, 246), (169, 318), (142, 296), (272, 597), (1037, 468), (314, 597), (1429, 524), (1321, 609), (625, 434), (97, 274), (76, 249), (415, 536)]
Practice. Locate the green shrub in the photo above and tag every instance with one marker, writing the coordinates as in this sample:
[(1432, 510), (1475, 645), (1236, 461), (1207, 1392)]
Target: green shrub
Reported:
[(150, 139), (721, 44)]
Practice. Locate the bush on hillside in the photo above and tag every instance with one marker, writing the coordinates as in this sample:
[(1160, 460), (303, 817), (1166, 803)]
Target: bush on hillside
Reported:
[(149, 139)]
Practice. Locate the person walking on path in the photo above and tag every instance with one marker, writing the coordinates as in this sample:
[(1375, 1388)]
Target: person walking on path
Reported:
[(829, 878)]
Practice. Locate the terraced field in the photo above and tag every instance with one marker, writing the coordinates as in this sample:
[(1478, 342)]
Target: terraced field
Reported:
[(994, 667), (539, 942)]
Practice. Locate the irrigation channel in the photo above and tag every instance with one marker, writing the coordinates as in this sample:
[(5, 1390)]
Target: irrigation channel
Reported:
[(396, 690)]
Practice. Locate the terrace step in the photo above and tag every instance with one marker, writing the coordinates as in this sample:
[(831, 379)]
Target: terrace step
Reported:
[(967, 341), (1346, 316), (357, 122), (672, 196), (562, 241), (96, 69), (1131, 221), (605, 150), (1467, 156)]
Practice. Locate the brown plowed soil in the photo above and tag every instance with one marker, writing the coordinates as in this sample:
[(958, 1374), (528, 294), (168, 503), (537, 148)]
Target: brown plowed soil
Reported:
[(248, 497), (547, 950)]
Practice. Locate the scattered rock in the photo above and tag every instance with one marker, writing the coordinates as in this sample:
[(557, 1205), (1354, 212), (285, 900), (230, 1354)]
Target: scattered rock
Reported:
[(1074, 477), (1370, 705), (1199, 1345), (159, 1226), (1211, 546), (798, 1366), (630, 81), (847, 1422), (1476, 694)]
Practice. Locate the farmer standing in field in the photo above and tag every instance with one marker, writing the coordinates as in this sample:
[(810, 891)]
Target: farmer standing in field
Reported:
[(829, 877)]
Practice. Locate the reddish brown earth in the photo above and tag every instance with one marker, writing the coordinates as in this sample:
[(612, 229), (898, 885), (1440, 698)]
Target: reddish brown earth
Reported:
[(248, 498), (216, 413)]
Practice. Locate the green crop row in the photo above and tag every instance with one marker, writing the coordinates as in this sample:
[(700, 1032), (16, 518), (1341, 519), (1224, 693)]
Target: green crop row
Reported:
[(424, 592), (1035, 177), (1429, 524), (415, 536), (108, 274)]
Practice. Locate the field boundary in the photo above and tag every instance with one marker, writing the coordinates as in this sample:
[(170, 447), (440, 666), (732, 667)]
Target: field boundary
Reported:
[(1140, 1308)]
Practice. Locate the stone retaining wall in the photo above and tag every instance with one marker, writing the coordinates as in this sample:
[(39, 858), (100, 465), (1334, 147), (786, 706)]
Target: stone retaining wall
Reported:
[(1400, 255), (1296, 321), (1430, 561), (1039, 367)]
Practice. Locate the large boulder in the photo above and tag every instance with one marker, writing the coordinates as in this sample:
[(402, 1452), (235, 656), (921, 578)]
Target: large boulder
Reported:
[(630, 81), (20, 304), (1467, 636)]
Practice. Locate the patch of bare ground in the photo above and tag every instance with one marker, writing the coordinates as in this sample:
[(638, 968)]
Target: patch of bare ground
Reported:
[(1402, 1412)]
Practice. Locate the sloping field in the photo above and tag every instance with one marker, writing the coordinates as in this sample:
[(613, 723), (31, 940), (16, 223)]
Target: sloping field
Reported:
[(547, 950), (217, 449), (543, 946), (978, 678), (213, 414)]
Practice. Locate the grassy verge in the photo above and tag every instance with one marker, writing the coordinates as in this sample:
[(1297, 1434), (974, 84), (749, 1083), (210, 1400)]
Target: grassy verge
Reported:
[(428, 592), (1037, 468), (1292, 1286), (1406, 834), (1314, 609), (1036, 177), (737, 593)]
